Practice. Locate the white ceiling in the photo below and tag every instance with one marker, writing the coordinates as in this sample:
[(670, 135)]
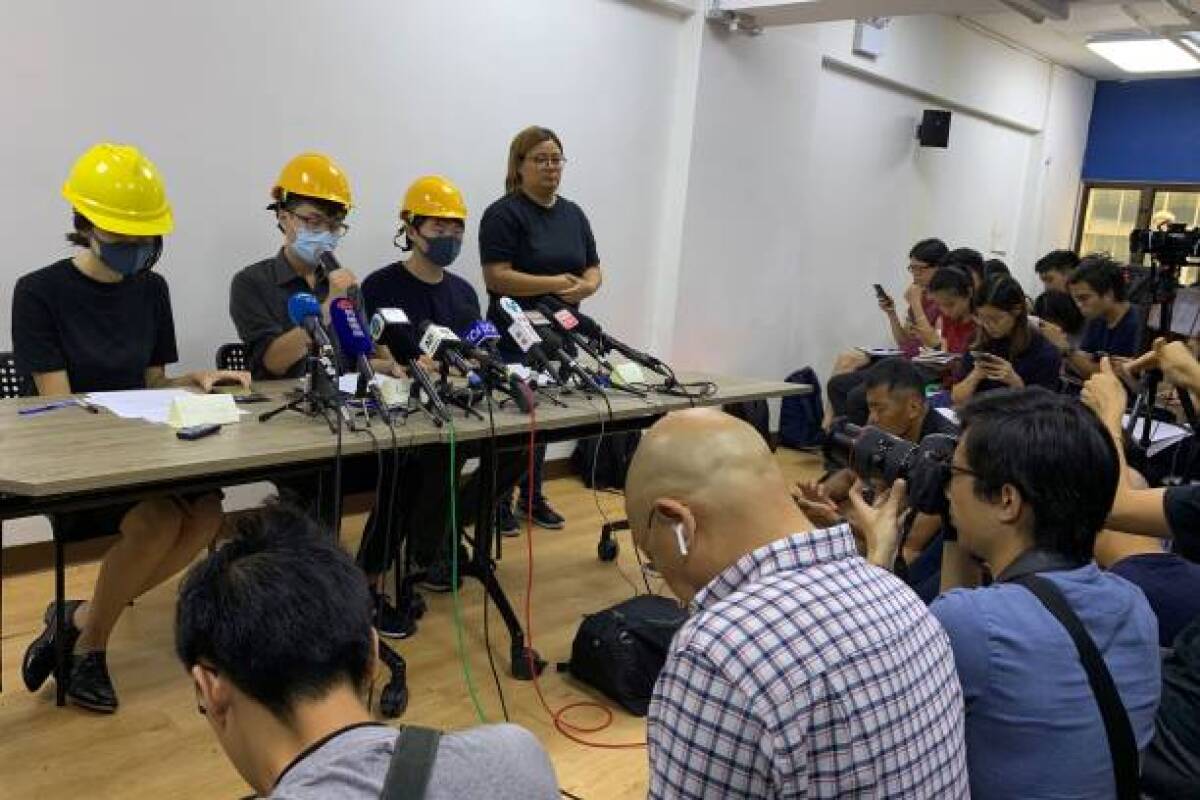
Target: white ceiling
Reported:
[(1061, 41), (1064, 41)]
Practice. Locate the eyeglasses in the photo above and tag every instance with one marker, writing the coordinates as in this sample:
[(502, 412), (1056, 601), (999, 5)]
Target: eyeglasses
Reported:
[(547, 161), (317, 223)]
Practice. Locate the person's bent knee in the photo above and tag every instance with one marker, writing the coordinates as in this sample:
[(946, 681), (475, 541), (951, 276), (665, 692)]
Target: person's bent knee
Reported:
[(158, 516)]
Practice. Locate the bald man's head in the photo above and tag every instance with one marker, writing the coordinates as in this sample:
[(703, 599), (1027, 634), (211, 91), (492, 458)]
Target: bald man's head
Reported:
[(706, 483)]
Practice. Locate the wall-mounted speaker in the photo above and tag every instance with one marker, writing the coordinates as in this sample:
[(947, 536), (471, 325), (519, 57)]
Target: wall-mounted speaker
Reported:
[(934, 130)]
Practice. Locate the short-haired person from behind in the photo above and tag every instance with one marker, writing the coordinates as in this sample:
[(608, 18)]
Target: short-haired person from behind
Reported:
[(1011, 352), (803, 671), (1055, 269), (1031, 482), (100, 321), (275, 631), (1112, 326)]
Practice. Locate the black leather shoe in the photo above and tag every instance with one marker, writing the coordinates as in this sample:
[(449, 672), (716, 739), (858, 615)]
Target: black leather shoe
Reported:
[(38, 664), (543, 515), (89, 686), (391, 621), (506, 523)]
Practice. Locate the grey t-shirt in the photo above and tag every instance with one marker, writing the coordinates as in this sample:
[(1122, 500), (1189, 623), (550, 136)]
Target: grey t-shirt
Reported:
[(497, 762)]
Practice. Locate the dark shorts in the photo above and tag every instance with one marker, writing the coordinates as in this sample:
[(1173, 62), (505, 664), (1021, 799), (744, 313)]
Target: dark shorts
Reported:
[(77, 526)]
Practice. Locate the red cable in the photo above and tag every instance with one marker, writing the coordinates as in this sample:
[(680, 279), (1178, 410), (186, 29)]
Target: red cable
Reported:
[(560, 724)]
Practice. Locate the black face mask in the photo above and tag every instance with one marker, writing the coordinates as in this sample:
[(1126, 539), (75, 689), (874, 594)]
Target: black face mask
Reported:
[(130, 258), (442, 250)]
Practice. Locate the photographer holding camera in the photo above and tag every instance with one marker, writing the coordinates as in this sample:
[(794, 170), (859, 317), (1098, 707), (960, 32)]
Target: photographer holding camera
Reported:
[(1023, 507)]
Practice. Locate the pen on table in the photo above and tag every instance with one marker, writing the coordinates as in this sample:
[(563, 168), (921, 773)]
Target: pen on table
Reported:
[(25, 412)]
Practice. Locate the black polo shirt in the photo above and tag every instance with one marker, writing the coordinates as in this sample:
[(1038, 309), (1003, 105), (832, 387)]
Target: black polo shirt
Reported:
[(258, 304), (104, 335), (536, 240)]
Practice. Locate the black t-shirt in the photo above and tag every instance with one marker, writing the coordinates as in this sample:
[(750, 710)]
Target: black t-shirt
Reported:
[(1181, 504), (535, 239), (105, 335), (1171, 584), (1039, 365), (452, 302), (935, 422), (1119, 340)]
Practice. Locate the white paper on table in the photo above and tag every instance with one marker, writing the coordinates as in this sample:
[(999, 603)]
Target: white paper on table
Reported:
[(152, 405), (880, 352), (192, 409), (1162, 434)]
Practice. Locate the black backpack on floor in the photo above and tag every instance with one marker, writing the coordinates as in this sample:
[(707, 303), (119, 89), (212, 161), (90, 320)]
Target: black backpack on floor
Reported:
[(621, 650)]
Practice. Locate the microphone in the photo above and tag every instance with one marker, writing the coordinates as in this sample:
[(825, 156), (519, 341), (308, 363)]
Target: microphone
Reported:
[(355, 343), (305, 311), (567, 324), (555, 346), (392, 328), (438, 341), (522, 334), (589, 328), (483, 335)]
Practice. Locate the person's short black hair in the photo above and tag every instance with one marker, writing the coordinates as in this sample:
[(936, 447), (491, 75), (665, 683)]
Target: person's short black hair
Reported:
[(995, 268), (1055, 452), (1058, 307), (965, 259), (328, 208), (954, 280), (929, 251), (280, 609), (82, 229), (1059, 260), (895, 374), (1101, 273)]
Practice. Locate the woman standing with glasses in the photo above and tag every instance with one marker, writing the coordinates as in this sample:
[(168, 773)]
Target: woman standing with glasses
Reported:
[(534, 242)]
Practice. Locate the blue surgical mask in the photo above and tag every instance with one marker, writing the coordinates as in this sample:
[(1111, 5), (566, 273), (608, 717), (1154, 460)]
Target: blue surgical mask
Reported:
[(130, 258), (442, 250), (310, 244)]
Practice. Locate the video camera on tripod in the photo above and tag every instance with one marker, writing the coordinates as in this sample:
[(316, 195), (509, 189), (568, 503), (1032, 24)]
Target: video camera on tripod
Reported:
[(877, 456), (1174, 245)]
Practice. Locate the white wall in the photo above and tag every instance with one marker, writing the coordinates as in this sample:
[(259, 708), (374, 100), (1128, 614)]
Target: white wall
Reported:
[(807, 185), (220, 94)]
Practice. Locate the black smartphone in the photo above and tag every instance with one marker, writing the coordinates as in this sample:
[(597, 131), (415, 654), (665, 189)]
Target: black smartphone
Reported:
[(252, 397), (881, 293), (197, 431)]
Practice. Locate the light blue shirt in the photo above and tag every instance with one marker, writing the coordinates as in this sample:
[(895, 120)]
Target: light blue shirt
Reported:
[(1033, 728)]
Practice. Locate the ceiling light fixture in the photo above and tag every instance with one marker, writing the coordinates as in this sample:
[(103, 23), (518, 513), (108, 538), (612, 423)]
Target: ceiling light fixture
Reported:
[(1143, 54)]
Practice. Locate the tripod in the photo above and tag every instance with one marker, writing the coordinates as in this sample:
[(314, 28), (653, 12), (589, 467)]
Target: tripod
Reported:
[(1157, 288)]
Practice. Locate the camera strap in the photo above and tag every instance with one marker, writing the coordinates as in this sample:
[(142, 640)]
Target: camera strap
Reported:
[(1121, 743)]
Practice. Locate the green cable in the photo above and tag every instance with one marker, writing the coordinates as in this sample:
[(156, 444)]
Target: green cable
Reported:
[(458, 623)]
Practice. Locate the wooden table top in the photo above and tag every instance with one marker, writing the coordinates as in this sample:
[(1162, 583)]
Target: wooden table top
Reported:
[(70, 450)]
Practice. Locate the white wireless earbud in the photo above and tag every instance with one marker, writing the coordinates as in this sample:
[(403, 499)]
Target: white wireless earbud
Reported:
[(683, 551)]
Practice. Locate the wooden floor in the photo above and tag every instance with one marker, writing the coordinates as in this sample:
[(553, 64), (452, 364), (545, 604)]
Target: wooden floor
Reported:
[(157, 746)]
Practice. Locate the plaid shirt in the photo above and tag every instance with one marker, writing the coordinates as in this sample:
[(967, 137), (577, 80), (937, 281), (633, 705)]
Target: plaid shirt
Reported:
[(806, 672)]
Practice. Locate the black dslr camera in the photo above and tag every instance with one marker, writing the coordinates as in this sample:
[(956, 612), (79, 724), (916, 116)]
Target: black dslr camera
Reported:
[(875, 455), (1174, 246)]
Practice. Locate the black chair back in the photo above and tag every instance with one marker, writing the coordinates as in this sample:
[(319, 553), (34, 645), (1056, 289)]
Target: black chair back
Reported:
[(233, 356)]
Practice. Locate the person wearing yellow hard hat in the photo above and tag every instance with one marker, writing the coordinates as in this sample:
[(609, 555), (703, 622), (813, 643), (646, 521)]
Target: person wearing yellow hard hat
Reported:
[(101, 321), (533, 242), (432, 224), (310, 200)]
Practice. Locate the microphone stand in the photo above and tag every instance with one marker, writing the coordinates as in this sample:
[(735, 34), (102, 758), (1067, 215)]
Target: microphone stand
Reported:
[(318, 397)]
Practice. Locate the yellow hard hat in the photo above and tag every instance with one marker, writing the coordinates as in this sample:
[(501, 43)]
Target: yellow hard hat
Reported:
[(119, 190), (433, 196), (313, 175)]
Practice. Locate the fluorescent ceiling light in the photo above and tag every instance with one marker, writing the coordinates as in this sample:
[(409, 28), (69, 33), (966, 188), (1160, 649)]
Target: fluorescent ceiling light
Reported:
[(1145, 55)]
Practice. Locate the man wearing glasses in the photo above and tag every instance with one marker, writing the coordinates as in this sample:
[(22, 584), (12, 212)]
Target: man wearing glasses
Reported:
[(310, 199)]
